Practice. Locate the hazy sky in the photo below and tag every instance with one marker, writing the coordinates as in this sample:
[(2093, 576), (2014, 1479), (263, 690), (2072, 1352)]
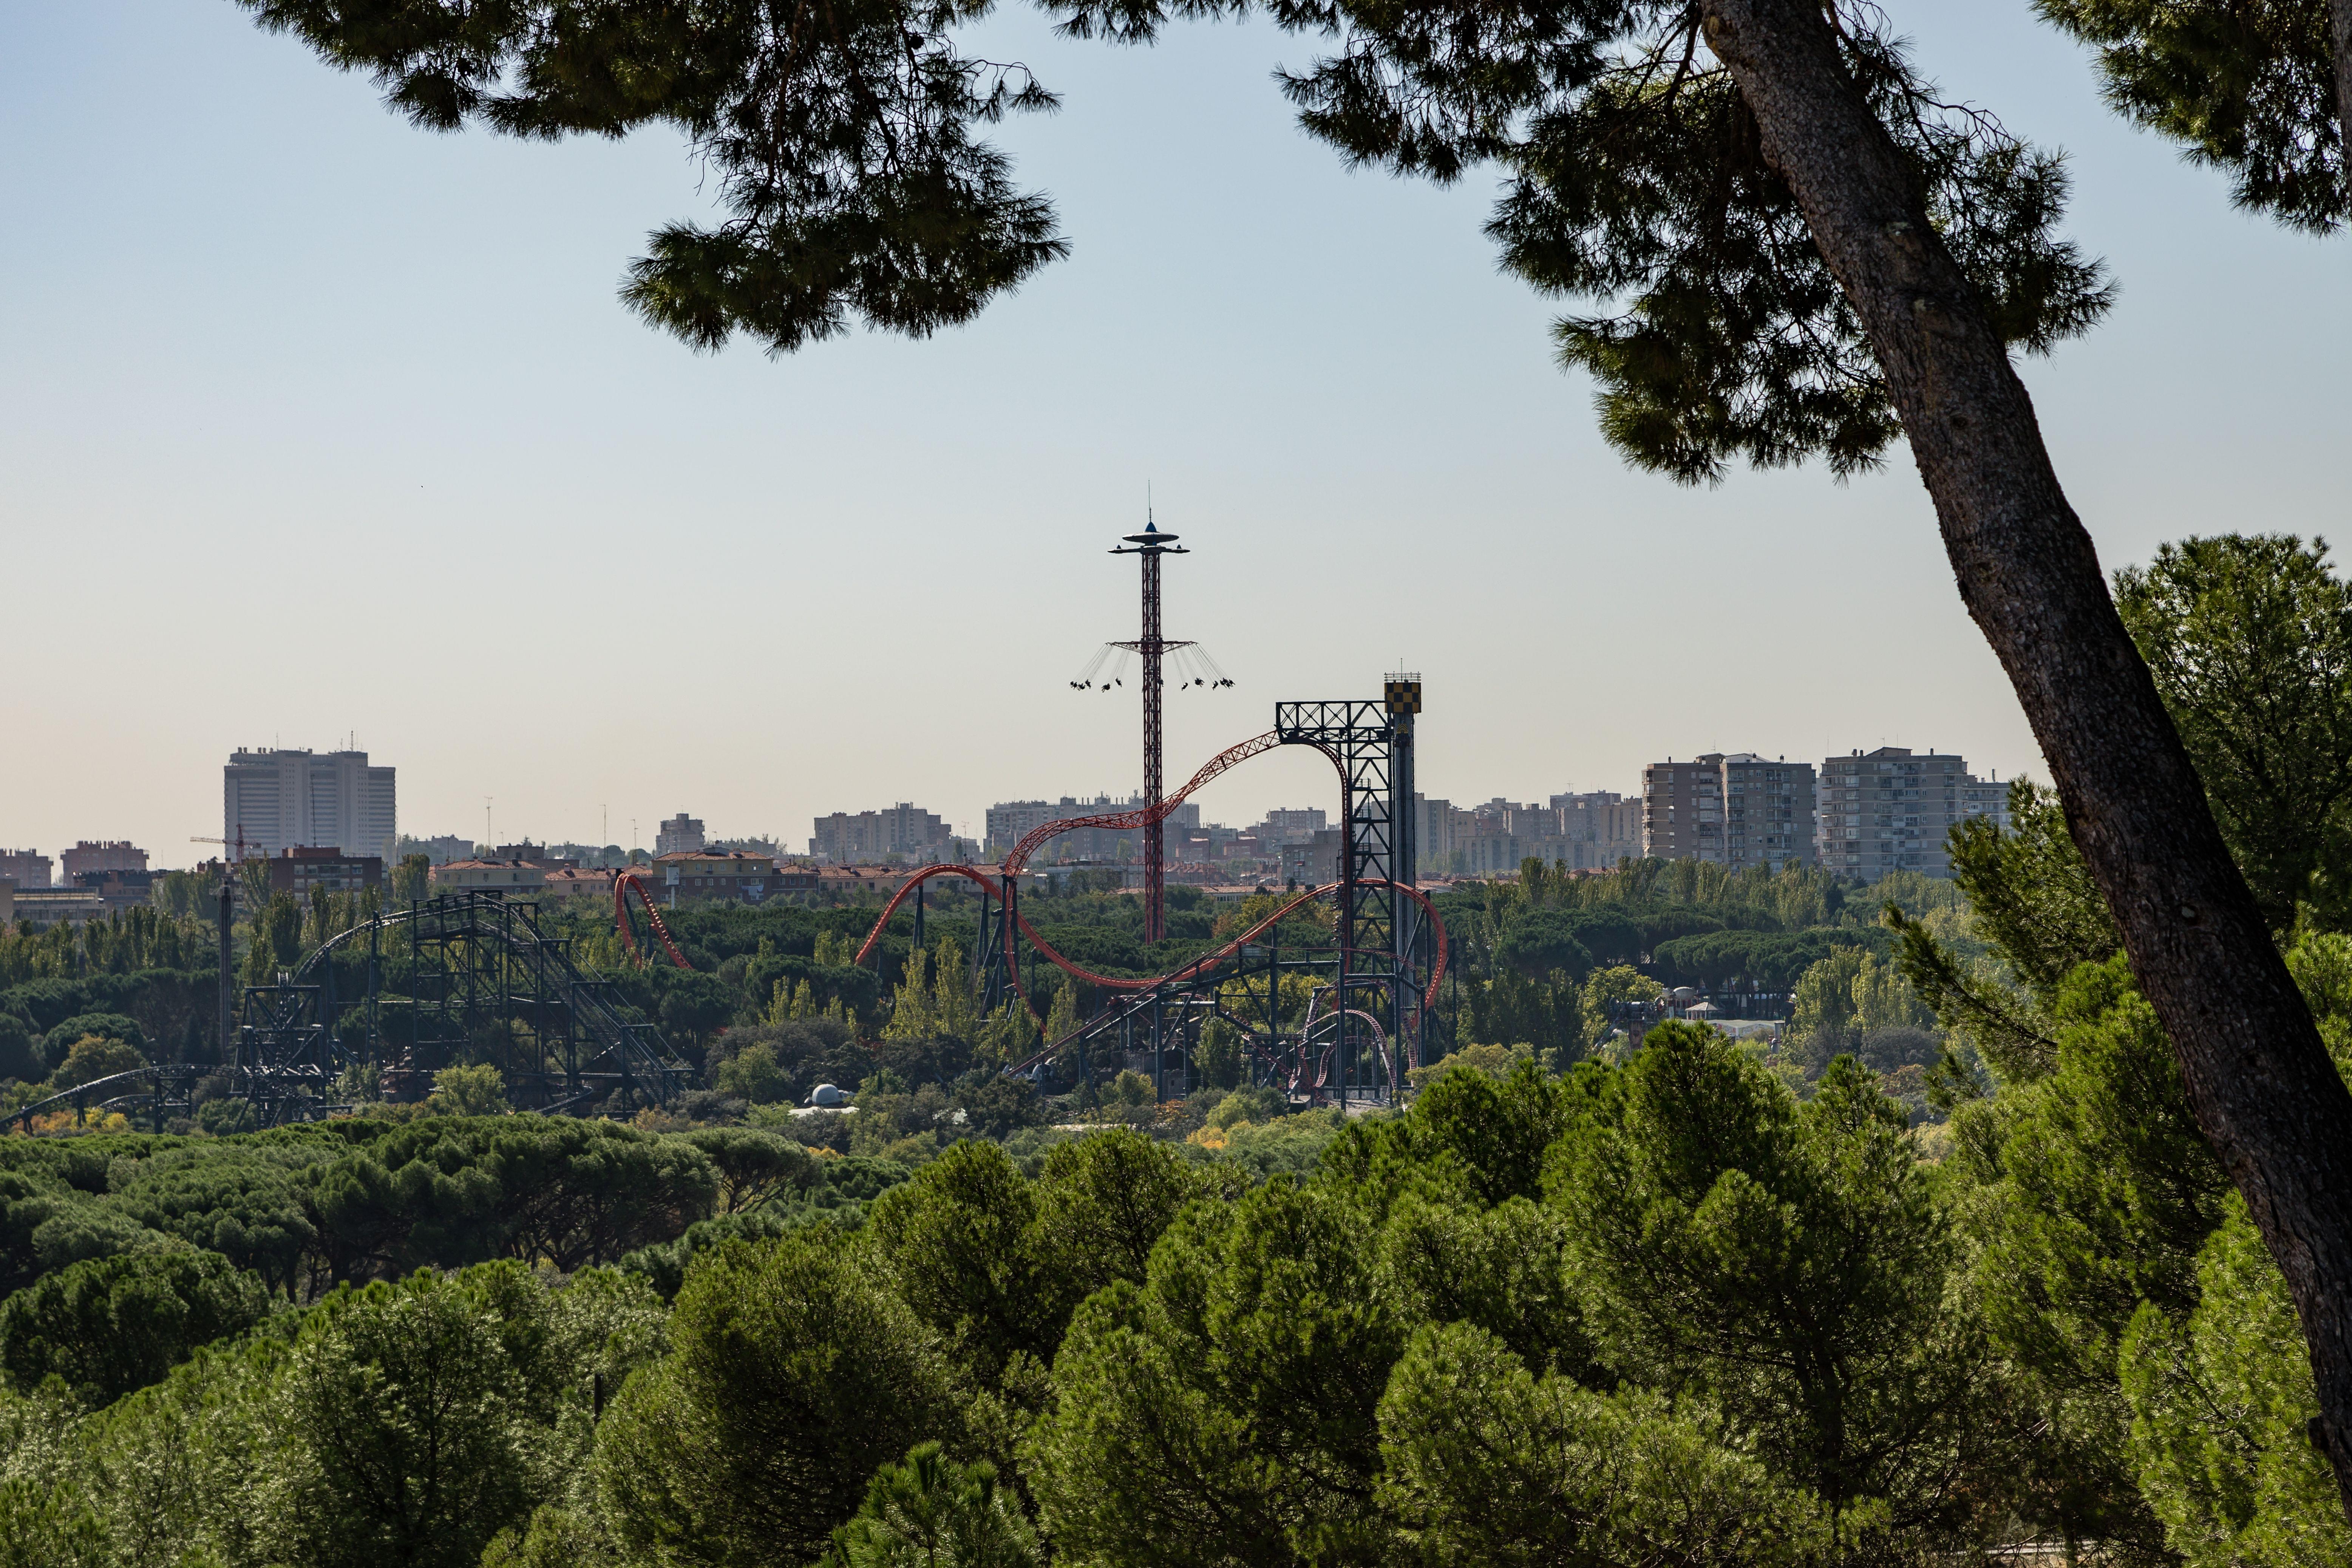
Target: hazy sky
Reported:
[(314, 423)]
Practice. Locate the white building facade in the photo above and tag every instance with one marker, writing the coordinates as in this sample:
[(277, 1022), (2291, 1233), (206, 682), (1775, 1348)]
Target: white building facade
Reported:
[(278, 800)]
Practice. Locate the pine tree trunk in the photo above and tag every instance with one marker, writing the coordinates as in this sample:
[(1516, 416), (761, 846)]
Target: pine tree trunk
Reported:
[(2260, 1084), (2342, 20)]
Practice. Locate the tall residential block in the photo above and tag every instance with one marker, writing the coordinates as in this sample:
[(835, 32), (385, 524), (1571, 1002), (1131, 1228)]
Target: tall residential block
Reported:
[(112, 855), (281, 800), (1294, 824), (1736, 809), (903, 830), (27, 868), (1009, 821), (1433, 845), (679, 835), (1493, 838), (1600, 826), (1889, 810)]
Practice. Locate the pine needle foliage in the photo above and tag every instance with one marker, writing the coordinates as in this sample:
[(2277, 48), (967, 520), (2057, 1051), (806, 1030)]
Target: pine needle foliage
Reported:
[(845, 140), (2247, 86), (2250, 640), (840, 136)]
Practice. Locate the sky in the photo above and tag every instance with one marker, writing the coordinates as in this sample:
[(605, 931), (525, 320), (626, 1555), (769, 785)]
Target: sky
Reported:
[(315, 427)]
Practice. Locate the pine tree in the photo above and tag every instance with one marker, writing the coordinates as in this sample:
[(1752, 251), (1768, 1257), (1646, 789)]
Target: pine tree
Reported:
[(1796, 246), (2261, 88)]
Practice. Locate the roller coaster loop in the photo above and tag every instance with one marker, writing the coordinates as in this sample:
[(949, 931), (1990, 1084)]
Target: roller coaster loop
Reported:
[(1018, 861), (1192, 971), (1000, 882), (622, 885)]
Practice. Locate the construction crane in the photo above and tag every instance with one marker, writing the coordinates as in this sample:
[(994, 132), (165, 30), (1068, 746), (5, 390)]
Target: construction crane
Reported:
[(238, 843)]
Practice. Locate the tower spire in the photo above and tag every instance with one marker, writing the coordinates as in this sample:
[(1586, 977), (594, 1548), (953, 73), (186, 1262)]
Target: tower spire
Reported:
[(1151, 544)]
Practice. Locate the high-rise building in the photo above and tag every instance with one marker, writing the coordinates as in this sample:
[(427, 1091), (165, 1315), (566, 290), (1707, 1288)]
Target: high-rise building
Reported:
[(1985, 798), (1433, 836), (680, 835), (1889, 810), (1736, 809), (1679, 800), (278, 800), (27, 868), (1768, 811)]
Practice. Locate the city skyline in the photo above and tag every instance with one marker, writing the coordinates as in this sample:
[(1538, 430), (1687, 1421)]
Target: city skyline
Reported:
[(971, 824), (481, 536)]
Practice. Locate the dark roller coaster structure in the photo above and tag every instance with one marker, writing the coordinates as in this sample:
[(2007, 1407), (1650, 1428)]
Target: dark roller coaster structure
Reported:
[(1374, 985), (482, 982)]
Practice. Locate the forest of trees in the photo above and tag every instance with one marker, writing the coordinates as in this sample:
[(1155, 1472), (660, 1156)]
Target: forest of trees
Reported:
[(1945, 1267)]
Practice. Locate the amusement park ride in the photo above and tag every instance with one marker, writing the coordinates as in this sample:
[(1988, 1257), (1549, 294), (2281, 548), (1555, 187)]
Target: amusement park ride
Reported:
[(1374, 986), (478, 975)]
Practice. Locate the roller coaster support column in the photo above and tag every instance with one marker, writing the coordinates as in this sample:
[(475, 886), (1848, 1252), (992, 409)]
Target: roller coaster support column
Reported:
[(1151, 544), (985, 957), (1402, 693), (1361, 737), (1013, 940), (227, 1042)]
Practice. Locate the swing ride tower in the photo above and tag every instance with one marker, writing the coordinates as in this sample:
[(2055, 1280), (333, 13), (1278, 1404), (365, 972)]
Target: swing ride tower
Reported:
[(1151, 544)]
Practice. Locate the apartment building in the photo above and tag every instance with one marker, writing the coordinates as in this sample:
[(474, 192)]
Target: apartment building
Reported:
[(46, 907), (903, 830), (1491, 839), (27, 868), (278, 800), (111, 855), (1597, 829), (1312, 861), (1986, 797), (298, 870), (1433, 824), (1294, 825), (701, 875), (1682, 811), (1736, 809), (679, 835), (520, 878), (440, 849), (1768, 811), (1009, 821), (1890, 810)]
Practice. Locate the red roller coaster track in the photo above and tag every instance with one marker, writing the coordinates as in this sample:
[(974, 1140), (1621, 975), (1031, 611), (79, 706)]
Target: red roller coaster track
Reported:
[(994, 886), (622, 885), (1004, 876), (1231, 756)]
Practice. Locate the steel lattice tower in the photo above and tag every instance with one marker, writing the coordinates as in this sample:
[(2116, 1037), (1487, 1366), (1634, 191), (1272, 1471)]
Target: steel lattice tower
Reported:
[(1151, 544)]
